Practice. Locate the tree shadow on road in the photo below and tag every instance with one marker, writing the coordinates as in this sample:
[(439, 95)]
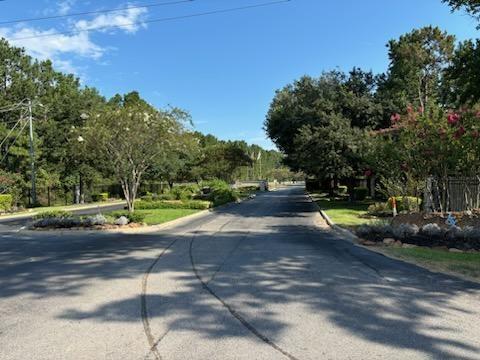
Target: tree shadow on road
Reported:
[(266, 277)]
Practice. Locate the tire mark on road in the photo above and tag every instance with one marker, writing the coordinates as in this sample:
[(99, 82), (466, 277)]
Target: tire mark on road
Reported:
[(230, 309), (144, 307)]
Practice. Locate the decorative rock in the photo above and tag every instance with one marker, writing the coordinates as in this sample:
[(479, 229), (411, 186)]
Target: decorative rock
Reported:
[(368, 243), (122, 221), (432, 229), (453, 250), (95, 220), (398, 243), (389, 241), (409, 246)]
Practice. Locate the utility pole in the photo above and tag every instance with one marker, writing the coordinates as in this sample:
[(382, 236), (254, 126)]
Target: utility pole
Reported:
[(32, 154)]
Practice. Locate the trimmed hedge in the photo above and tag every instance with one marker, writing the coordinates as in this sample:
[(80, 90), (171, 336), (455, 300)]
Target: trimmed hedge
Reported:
[(191, 204), (134, 217), (100, 197), (6, 201), (58, 214)]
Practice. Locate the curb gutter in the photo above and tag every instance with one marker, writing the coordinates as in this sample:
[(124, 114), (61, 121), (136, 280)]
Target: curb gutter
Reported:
[(347, 234)]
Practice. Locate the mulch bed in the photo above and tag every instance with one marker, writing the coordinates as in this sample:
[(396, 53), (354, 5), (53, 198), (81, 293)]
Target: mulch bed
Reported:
[(421, 219), (446, 240)]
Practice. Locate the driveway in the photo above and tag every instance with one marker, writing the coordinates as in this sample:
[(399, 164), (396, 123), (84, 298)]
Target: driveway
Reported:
[(259, 280)]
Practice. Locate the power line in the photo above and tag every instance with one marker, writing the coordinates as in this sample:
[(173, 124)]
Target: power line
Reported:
[(166, 19), (145, 6), (10, 132), (14, 141)]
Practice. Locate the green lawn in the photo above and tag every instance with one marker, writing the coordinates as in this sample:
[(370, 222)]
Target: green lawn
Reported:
[(467, 264), (160, 216), (345, 213)]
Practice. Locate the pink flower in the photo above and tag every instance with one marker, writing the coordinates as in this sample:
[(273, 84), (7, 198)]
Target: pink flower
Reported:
[(475, 134), (453, 118), (368, 173), (421, 110), (478, 114), (395, 118)]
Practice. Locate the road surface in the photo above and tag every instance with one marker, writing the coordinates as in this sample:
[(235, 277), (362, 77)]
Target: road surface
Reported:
[(259, 280)]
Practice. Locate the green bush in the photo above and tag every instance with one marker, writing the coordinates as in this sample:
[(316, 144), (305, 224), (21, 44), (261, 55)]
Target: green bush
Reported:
[(185, 192), (6, 201), (161, 204), (220, 192), (134, 217), (100, 197), (59, 214), (360, 193), (379, 209), (406, 203)]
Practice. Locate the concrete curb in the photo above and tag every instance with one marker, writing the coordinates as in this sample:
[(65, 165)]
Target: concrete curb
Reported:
[(347, 234)]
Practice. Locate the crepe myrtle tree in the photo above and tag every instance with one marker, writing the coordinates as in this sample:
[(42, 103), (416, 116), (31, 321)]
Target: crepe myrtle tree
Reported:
[(131, 138)]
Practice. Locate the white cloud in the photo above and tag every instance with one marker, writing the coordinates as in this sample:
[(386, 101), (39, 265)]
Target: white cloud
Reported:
[(51, 45), (60, 48), (65, 6), (128, 20)]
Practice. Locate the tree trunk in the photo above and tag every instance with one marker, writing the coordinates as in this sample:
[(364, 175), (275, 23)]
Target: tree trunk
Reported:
[(48, 195)]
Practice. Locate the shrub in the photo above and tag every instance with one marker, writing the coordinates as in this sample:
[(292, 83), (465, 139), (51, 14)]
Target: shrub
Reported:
[(221, 193), (406, 203), (52, 214), (185, 192), (379, 209), (431, 230), (100, 197), (404, 231), (134, 217), (191, 204), (360, 193), (375, 232), (98, 219), (6, 201)]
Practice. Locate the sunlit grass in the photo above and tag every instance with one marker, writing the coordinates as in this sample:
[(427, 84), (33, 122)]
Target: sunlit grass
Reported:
[(460, 263)]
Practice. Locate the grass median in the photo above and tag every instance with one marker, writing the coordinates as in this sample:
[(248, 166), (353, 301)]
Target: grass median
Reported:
[(464, 264), (345, 213)]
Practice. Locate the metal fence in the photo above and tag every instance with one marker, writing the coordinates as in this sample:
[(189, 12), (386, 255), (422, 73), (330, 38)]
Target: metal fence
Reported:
[(452, 194)]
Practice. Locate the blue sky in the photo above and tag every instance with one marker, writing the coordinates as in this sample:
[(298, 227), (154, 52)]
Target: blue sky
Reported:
[(224, 68)]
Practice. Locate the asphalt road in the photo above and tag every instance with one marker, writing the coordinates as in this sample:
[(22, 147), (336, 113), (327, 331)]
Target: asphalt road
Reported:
[(259, 280)]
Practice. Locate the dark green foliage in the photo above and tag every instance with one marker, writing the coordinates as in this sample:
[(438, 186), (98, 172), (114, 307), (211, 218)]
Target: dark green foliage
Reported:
[(134, 217), (100, 197), (360, 193), (184, 192), (406, 203), (6, 201), (221, 192), (164, 204), (471, 6), (52, 214)]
